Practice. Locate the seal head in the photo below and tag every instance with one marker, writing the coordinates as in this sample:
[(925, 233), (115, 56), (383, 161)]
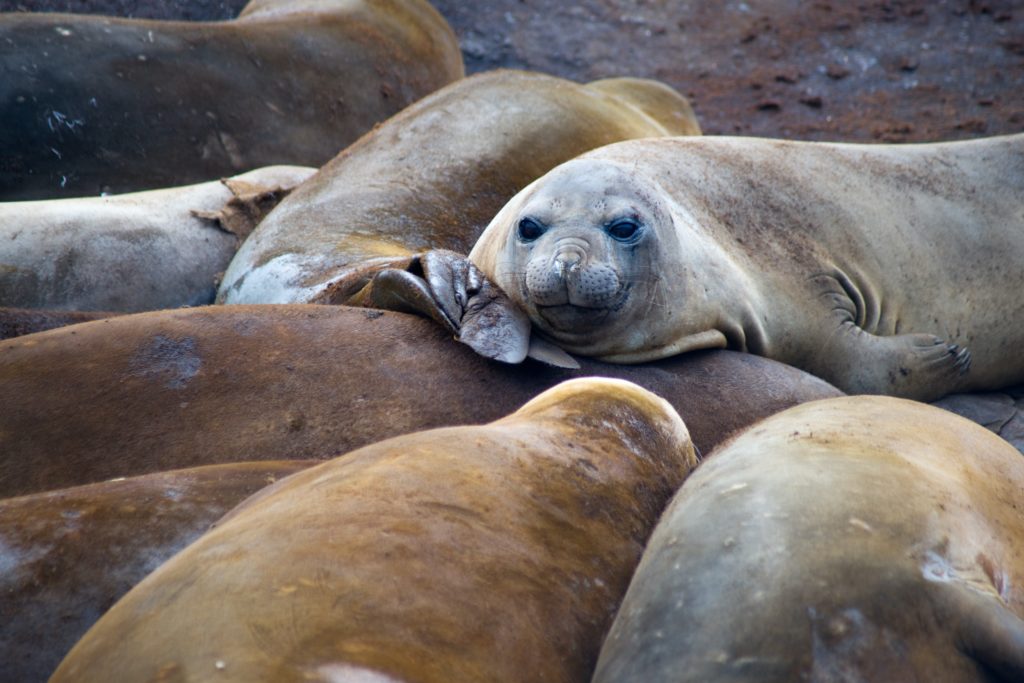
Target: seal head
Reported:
[(593, 254)]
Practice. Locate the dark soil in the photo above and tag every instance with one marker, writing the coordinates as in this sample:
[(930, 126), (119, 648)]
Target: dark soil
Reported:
[(861, 70)]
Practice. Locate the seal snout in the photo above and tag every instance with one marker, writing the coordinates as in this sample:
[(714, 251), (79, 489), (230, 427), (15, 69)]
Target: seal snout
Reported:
[(571, 275)]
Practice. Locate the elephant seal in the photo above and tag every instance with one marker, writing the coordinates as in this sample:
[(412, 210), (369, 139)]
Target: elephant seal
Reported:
[(68, 555), (180, 388), (889, 269), (133, 252), (95, 104), (486, 553), (434, 175), (865, 538)]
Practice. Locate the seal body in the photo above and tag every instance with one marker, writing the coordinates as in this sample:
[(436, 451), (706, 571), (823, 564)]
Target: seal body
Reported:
[(858, 539), (15, 322), (434, 175), (490, 553), (180, 388), (872, 266), (68, 555), (131, 252), (100, 104)]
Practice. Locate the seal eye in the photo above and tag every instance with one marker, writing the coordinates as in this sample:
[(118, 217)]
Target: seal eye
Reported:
[(529, 230), (626, 230)]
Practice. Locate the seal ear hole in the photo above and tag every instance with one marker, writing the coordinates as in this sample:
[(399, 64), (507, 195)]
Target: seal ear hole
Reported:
[(624, 230), (529, 229)]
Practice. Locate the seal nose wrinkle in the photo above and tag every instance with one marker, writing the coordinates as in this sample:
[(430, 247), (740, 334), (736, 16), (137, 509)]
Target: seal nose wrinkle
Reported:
[(568, 276)]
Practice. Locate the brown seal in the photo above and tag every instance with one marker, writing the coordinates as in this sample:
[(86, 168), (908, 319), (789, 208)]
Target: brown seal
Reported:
[(68, 555), (180, 388), (853, 539), (881, 268), (95, 104), (465, 554), (137, 251), (435, 174)]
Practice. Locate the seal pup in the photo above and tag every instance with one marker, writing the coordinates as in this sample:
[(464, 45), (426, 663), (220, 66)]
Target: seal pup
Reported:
[(95, 104), (172, 389), (465, 554), (68, 555), (892, 269), (434, 175), (137, 251), (864, 538)]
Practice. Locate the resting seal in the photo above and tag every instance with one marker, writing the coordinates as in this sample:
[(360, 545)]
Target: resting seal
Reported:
[(133, 252), (432, 177), (881, 268), (493, 553), (95, 104), (180, 388), (852, 539), (68, 555)]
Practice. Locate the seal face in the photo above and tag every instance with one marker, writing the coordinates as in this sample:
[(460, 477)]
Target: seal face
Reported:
[(586, 251)]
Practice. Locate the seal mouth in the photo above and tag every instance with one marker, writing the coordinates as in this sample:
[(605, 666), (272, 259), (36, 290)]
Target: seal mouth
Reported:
[(573, 318)]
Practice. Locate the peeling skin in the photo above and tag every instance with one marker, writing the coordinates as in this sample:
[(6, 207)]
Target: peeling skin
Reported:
[(123, 253), (864, 538)]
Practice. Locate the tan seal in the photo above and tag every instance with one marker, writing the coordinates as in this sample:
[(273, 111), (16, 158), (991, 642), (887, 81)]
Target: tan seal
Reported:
[(97, 104), (133, 252), (181, 388), (866, 538), (68, 555), (881, 268), (491, 553), (433, 176)]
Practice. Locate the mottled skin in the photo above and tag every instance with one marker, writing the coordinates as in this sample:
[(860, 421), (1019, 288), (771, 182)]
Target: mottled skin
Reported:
[(68, 555), (881, 268), (93, 104), (853, 539), (131, 252), (172, 389), (433, 176), (465, 554)]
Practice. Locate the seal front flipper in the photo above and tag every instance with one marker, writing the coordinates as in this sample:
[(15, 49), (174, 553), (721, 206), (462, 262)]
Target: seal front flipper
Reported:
[(918, 366), (446, 287)]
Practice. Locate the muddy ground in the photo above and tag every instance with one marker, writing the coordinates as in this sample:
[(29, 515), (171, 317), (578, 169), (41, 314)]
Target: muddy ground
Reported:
[(868, 70)]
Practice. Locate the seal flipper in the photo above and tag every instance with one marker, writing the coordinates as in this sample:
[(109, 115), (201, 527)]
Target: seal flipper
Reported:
[(917, 366), (987, 631), (449, 289), (400, 290)]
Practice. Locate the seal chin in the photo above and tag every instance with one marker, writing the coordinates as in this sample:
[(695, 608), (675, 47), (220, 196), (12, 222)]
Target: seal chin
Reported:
[(572, 319)]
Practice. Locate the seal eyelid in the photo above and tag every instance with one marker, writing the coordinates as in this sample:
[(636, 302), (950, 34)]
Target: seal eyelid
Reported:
[(529, 230), (625, 230)]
